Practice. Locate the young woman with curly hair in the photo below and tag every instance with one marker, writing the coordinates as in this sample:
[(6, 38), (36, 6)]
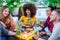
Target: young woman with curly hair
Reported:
[(29, 11)]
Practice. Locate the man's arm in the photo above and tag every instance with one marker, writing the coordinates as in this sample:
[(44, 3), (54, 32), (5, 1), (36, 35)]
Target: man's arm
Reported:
[(55, 33)]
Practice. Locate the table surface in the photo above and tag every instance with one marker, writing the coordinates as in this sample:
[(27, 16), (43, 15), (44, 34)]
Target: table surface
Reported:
[(25, 35)]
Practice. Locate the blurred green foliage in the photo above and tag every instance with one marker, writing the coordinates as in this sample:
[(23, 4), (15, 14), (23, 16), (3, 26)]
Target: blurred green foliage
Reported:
[(53, 3), (11, 4), (17, 3)]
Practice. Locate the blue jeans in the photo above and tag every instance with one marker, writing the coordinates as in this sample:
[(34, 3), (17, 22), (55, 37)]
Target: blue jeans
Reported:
[(3, 38)]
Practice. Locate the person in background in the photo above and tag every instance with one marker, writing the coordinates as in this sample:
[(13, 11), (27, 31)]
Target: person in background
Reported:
[(29, 11), (55, 18), (6, 19), (47, 23)]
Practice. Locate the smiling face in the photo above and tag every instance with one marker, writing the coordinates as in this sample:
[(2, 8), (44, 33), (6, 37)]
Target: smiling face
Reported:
[(53, 16), (48, 11), (28, 12), (5, 12)]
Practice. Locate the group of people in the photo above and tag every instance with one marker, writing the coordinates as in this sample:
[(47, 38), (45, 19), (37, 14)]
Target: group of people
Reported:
[(7, 24)]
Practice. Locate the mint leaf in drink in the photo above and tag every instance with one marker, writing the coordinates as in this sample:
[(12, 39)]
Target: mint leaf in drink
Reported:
[(17, 32), (37, 24), (19, 24), (36, 32), (29, 20)]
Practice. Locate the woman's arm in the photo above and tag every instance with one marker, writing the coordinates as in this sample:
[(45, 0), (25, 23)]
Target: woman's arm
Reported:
[(5, 31), (3, 24), (32, 24), (13, 24)]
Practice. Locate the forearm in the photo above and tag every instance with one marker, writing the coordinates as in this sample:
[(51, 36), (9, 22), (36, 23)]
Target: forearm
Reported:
[(3, 24), (32, 24), (5, 31)]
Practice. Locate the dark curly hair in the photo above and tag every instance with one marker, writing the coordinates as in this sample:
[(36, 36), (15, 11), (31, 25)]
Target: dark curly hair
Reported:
[(31, 7)]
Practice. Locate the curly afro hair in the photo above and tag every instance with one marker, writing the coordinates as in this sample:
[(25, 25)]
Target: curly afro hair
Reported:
[(31, 7)]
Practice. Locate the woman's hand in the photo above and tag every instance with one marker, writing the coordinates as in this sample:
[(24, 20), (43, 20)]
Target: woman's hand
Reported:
[(42, 25), (11, 33), (3, 24), (36, 37), (42, 33)]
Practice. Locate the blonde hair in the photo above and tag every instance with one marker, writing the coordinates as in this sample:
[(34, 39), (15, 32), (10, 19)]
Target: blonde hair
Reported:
[(2, 18)]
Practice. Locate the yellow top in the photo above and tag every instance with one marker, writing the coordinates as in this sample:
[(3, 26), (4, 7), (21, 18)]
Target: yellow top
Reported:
[(24, 19)]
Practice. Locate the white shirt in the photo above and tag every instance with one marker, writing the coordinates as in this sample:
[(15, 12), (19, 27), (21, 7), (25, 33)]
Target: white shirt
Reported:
[(56, 32)]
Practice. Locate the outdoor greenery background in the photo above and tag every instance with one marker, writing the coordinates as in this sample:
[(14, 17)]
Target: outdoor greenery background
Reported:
[(18, 3)]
